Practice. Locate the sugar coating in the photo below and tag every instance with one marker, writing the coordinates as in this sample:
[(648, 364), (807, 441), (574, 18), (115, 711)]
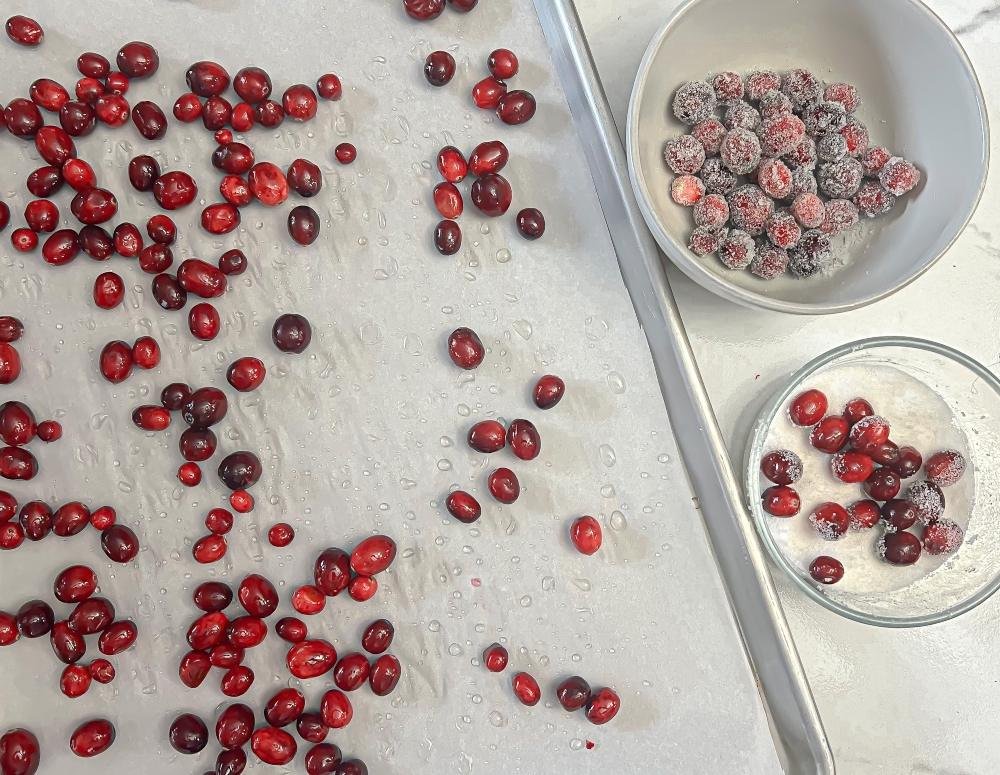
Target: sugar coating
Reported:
[(711, 211), (857, 137), (804, 181), (872, 200), (841, 179), (684, 155), (760, 82), (845, 94), (771, 262), (811, 256), (828, 531), (749, 208), (831, 147), (737, 250), (728, 86), (809, 210), (694, 102), (841, 215), (741, 114), (874, 159), (774, 178), (943, 537), (803, 154), (801, 87), (823, 117), (928, 499), (774, 103), (899, 176), (782, 230), (710, 133), (717, 179), (948, 467), (686, 190), (740, 151), (780, 134), (704, 241)]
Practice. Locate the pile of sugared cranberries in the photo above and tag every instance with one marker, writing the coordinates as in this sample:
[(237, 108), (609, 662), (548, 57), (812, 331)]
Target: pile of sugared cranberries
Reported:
[(774, 166), (17, 428), (90, 616), (862, 453)]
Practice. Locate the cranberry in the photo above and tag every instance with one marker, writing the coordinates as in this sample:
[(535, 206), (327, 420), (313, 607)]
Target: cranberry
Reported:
[(304, 177), (187, 108), (95, 205), (41, 215), (384, 675), (146, 352), (448, 200), (322, 759), (48, 94), (362, 588), (188, 734), (155, 258), (237, 681), (928, 500), (68, 645), (78, 174), (70, 519), (531, 223), (291, 629), (586, 535), (808, 408), (161, 229), (35, 519), (502, 64), (96, 242), (487, 93), (863, 514), (942, 537), (168, 292), (92, 738), (523, 438), (273, 746), (189, 474), (88, 90), (252, 84), (269, 113), (193, 669), (110, 109), (34, 619), (900, 514), (209, 549), (503, 485), (308, 600), (19, 752), (487, 436), (284, 707), (25, 31), (463, 506), (233, 262), (119, 543), (448, 238), (44, 181), (311, 728), (240, 470), (206, 407), (311, 658), (573, 693), (151, 418), (780, 501), (373, 555), (451, 164), (336, 709), (603, 706), (830, 434), (116, 83), (299, 102), (117, 637), (116, 361), (423, 10), (869, 432), (857, 409), (329, 87), (900, 548), (351, 672), (234, 726), (93, 65), (466, 348), (280, 534), (781, 466), (885, 454), (241, 501), (54, 145), (22, 117), (491, 156), (463, 6), (526, 689), (303, 225), (211, 596), (10, 363), (492, 195), (93, 615), (882, 485), (109, 290), (208, 631), (174, 190), (149, 120), (907, 462), (852, 467), (516, 107), (331, 571), (258, 596), (201, 278), (103, 518), (345, 153), (128, 240), (11, 535), (439, 68), (234, 158), (268, 183), (137, 60), (352, 767), (831, 520), (17, 423), (24, 240), (291, 333), (11, 329), (8, 506), (207, 79), (945, 468), (220, 218), (242, 117), (102, 671), (219, 521)]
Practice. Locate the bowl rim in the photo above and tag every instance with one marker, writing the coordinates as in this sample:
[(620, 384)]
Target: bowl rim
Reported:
[(715, 282), (751, 483)]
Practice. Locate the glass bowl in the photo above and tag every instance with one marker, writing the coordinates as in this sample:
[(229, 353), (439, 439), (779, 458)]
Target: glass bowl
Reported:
[(934, 398)]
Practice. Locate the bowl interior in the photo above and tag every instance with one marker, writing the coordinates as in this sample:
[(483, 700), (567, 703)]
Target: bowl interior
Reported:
[(923, 390), (920, 99)]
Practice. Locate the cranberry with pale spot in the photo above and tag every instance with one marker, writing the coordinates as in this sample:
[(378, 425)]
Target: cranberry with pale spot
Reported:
[(452, 164)]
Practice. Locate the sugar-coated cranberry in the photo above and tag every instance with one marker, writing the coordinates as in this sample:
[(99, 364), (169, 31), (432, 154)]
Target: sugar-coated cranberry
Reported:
[(874, 159), (439, 68), (869, 431), (694, 102), (857, 136), (831, 520), (945, 468), (92, 738), (463, 506), (899, 548), (882, 485), (863, 515), (830, 435), (452, 164), (782, 230), (872, 200), (852, 467), (781, 466), (780, 501), (928, 500), (942, 537), (586, 535), (526, 689)]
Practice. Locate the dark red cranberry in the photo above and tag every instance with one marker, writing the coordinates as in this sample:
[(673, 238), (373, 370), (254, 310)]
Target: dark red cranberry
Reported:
[(487, 93), (70, 518), (280, 534), (17, 423), (826, 570), (91, 616), (220, 218), (22, 117), (452, 164), (252, 84), (103, 518), (573, 693), (900, 548), (118, 637), (885, 454), (466, 348), (303, 224), (448, 200), (161, 229), (240, 470), (77, 118), (102, 671), (201, 278), (95, 205), (149, 120), (137, 59), (852, 467), (41, 215), (208, 631), (463, 506), (781, 466), (269, 113), (44, 181), (223, 137), (174, 396), (246, 374), (531, 223), (174, 190), (830, 434), (900, 514), (34, 619), (503, 485), (311, 658), (523, 438), (857, 409), (93, 65), (423, 10), (188, 734), (780, 501), (526, 689), (942, 537), (299, 102), (548, 391), (234, 726), (329, 87), (24, 31), (78, 174), (492, 195), (907, 462), (48, 94), (291, 629), (495, 658), (212, 596), (345, 153), (11, 535), (92, 738), (516, 107), (373, 555), (20, 752), (323, 758), (586, 535), (206, 407), (268, 183), (146, 352), (384, 675), (487, 436), (119, 543), (206, 79), (193, 668), (116, 83), (169, 293), (603, 706), (109, 290), (143, 172), (10, 363), (284, 707), (258, 596), (54, 145), (351, 672), (463, 6), (448, 237), (234, 158), (88, 90), (220, 522), (11, 328), (233, 262), (304, 177), (291, 333), (439, 68), (502, 64), (127, 240), (273, 746), (808, 408), (332, 571), (352, 767), (883, 485), (831, 520), (35, 519), (116, 361), (75, 583), (378, 636)]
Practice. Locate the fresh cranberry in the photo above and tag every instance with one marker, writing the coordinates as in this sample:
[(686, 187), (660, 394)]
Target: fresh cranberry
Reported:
[(237, 681), (220, 218), (188, 734), (900, 548), (304, 177), (78, 174), (603, 706), (241, 501), (119, 543), (155, 258), (516, 107), (207, 79), (463, 6), (75, 583), (502, 64), (378, 636), (116, 83), (299, 102), (882, 485), (488, 92), (448, 237), (345, 153), (885, 454), (523, 438), (945, 468), (234, 726), (78, 118), (831, 520), (96, 242), (17, 423), (54, 145), (201, 278), (116, 361), (863, 514), (24, 240), (448, 200), (273, 746), (284, 707), (233, 262), (102, 671), (25, 31), (246, 374), (452, 164), (149, 120), (586, 535), (137, 59), (463, 506), (942, 537), (189, 474), (41, 215), (830, 434), (336, 709), (209, 549), (503, 485), (526, 689), (573, 693), (291, 333), (93, 65), (22, 117), (492, 195), (109, 290), (857, 409), (808, 408), (869, 432), (280, 534), (233, 158), (127, 240), (102, 518), (269, 113), (311, 658), (852, 467), (68, 645), (48, 94), (151, 418), (531, 223), (329, 87), (291, 630), (466, 348), (900, 514), (243, 117), (303, 224), (95, 205), (11, 535), (93, 615), (187, 108), (548, 391), (70, 518), (219, 521), (384, 675), (10, 363), (322, 759), (780, 501), (8, 506), (439, 68), (211, 596), (42, 182), (146, 352), (174, 190), (487, 436), (488, 157), (35, 619), (331, 571), (373, 555), (89, 90), (311, 728), (351, 672), (168, 292), (92, 738), (194, 668), (308, 600), (268, 183), (208, 631), (423, 10)]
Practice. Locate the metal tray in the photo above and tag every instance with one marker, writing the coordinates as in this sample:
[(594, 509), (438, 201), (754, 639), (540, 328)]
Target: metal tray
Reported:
[(769, 644)]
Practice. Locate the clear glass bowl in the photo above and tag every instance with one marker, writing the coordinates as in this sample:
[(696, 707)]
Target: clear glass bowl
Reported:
[(934, 398)]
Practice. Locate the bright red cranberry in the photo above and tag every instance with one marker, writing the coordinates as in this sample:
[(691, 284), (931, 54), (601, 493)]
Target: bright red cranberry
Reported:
[(273, 746), (452, 164), (945, 468), (127, 240), (586, 535), (463, 506), (149, 120), (151, 418), (187, 108), (233, 262), (291, 333), (526, 689), (68, 645), (234, 726), (109, 290), (448, 237), (35, 619), (11, 535), (492, 195), (119, 543), (830, 434), (336, 709), (219, 521), (211, 596), (41, 215), (516, 107), (303, 224), (487, 436), (384, 675), (24, 240), (93, 615), (88, 90), (44, 181), (220, 218), (311, 658), (174, 190), (573, 693), (22, 117), (280, 534), (531, 223), (523, 438), (48, 94), (448, 200), (103, 518), (329, 87), (495, 658), (831, 520), (900, 548), (146, 352), (373, 555), (466, 348), (207, 79), (900, 514), (208, 631), (243, 117), (137, 59), (942, 537), (118, 637), (8, 506), (188, 734), (110, 109), (54, 145), (603, 706), (864, 515), (10, 363), (246, 374), (852, 467), (857, 409), (102, 671), (194, 668), (78, 118), (299, 102), (284, 707), (241, 501), (780, 501), (269, 113), (24, 31), (882, 485), (189, 474), (332, 571), (95, 205), (869, 432), (487, 93), (503, 485), (93, 65), (362, 588), (258, 596), (351, 672), (235, 190), (345, 153), (92, 738), (17, 423), (502, 64), (116, 361), (70, 518), (439, 68), (423, 10), (201, 278), (209, 549), (308, 600), (808, 408), (268, 183), (78, 174)]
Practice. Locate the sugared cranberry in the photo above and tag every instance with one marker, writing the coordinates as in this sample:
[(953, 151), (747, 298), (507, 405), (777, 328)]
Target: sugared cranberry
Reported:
[(173, 190), (233, 262), (463, 506), (516, 107), (882, 485), (780, 501), (345, 153), (945, 468), (311, 658), (149, 120), (303, 224), (146, 352), (119, 543), (808, 408), (25, 31), (831, 520), (92, 738), (900, 548), (439, 68), (531, 223), (452, 164), (211, 596), (928, 499), (373, 555), (869, 431), (492, 195), (423, 10), (503, 485), (22, 117), (830, 434), (291, 333), (488, 92), (864, 515), (137, 59), (573, 693), (781, 466), (526, 689), (942, 537), (329, 87), (299, 102), (586, 535), (523, 438), (907, 462), (188, 734), (448, 237), (280, 534), (852, 467)]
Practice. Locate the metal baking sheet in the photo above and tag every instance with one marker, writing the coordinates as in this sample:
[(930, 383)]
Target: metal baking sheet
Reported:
[(364, 432)]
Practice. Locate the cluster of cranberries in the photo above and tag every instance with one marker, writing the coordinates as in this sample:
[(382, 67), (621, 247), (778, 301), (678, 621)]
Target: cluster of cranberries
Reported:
[(573, 693), (20, 753), (425, 10), (90, 616), (11, 330), (491, 193), (782, 141), (17, 428), (862, 453)]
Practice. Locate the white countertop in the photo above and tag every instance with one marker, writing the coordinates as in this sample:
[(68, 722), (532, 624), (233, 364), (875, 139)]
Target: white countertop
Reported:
[(893, 702)]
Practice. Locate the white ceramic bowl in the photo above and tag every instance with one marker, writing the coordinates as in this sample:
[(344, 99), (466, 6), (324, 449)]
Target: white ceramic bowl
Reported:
[(921, 99)]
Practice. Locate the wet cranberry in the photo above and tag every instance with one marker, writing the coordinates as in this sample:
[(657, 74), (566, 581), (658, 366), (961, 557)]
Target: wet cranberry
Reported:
[(503, 485), (864, 515), (17, 423), (211, 596), (448, 237), (907, 463), (268, 184), (284, 707), (187, 108), (304, 177), (206, 79), (237, 681), (149, 120), (220, 218), (188, 734), (258, 596), (280, 534), (234, 726), (463, 6), (831, 520), (448, 200), (463, 506), (137, 59), (241, 501), (487, 436), (882, 485), (308, 600), (299, 102), (102, 671), (197, 445), (492, 195), (384, 675), (516, 107), (151, 418), (502, 64), (269, 113), (233, 158), (34, 619), (19, 752), (220, 522), (466, 348), (116, 361), (208, 631), (373, 555), (24, 31), (548, 391), (586, 535), (93, 65), (143, 172), (194, 668), (603, 706), (291, 629), (808, 408), (869, 432), (119, 543), (531, 223), (75, 583), (526, 689), (487, 93), (780, 501), (900, 514), (54, 145), (11, 535), (303, 224), (168, 292), (291, 333), (523, 438), (235, 190), (830, 434), (273, 746), (22, 117), (945, 468), (240, 470), (252, 84), (161, 229), (96, 242), (900, 548), (174, 190), (88, 90), (116, 83), (44, 181), (857, 409), (92, 738), (23, 240), (70, 518), (201, 278), (885, 454), (451, 164), (423, 10), (311, 658), (78, 174), (110, 109), (41, 215), (109, 290), (209, 549), (75, 681), (246, 632), (146, 352), (378, 636), (68, 645), (362, 588), (345, 153), (329, 87), (93, 615), (48, 94), (243, 117), (351, 672), (331, 571), (233, 262), (78, 118), (49, 430), (336, 709), (95, 205), (322, 759), (11, 328), (573, 693), (439, 68), (10, 363), (127, 240)]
